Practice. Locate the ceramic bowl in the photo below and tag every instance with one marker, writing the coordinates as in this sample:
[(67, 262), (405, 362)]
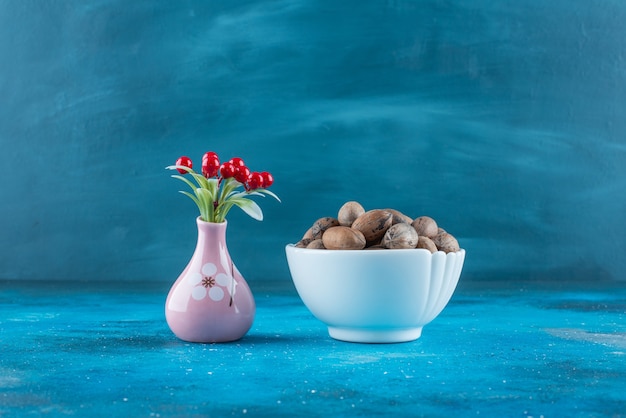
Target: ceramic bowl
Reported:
[(374, 296)]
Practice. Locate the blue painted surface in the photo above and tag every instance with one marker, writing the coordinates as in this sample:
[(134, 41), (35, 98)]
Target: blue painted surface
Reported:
[(516, 349), (503, 120)]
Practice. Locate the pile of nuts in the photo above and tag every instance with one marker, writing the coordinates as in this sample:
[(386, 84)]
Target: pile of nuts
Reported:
[(357, 229)]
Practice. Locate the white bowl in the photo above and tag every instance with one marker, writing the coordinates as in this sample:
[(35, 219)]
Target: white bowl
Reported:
[(374, 296)]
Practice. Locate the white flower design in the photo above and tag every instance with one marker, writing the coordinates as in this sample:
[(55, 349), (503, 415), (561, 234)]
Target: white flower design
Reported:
[(208, 283)]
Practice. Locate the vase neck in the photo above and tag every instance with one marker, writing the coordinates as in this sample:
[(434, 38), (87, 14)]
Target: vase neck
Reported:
[(211, 234)]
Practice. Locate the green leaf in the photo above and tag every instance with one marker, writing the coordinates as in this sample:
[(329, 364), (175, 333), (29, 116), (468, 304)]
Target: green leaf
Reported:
[(244, 195), (206, 204), (228, 189), (267, 192), (201, 180), (250, 207), (189, 183), (179, 167), (212, 187)]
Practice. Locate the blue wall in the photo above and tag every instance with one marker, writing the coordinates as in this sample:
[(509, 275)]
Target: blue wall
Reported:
[(505, 121)]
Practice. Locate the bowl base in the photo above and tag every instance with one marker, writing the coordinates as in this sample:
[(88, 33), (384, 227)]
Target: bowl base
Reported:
[(361, 335)]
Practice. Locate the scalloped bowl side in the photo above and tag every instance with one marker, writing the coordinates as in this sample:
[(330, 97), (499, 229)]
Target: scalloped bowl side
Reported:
[(374, 296)]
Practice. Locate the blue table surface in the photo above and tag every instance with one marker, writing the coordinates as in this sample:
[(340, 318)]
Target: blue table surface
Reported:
[(498, 349)]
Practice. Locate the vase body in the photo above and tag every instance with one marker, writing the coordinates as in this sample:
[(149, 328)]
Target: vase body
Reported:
[(210, 301)]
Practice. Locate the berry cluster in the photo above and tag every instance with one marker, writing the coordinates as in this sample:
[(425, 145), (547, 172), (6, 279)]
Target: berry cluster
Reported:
[(234, 168), (214, 191)]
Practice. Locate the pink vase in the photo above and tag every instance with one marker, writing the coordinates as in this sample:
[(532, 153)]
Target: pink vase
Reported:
[(210, 301)]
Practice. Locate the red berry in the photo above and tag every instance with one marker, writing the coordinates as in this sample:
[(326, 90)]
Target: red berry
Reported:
[(209, 156), (255, 180), (227, 170), (184, 161), (242, 173), (237, 162), (210, 164), (268, 179), (211, 168)]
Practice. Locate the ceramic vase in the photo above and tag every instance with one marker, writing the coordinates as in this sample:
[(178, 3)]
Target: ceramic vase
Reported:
[(210, 301)]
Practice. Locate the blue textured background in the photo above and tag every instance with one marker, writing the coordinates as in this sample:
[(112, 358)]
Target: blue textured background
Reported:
[(502, 120)]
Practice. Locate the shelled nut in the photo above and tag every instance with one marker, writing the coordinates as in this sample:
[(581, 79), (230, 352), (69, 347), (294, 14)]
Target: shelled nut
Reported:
[(400, 235), (355, 229), (343, 238), (446, 242), (373, 224), (426, 243), (349, 212), (425, 226)]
